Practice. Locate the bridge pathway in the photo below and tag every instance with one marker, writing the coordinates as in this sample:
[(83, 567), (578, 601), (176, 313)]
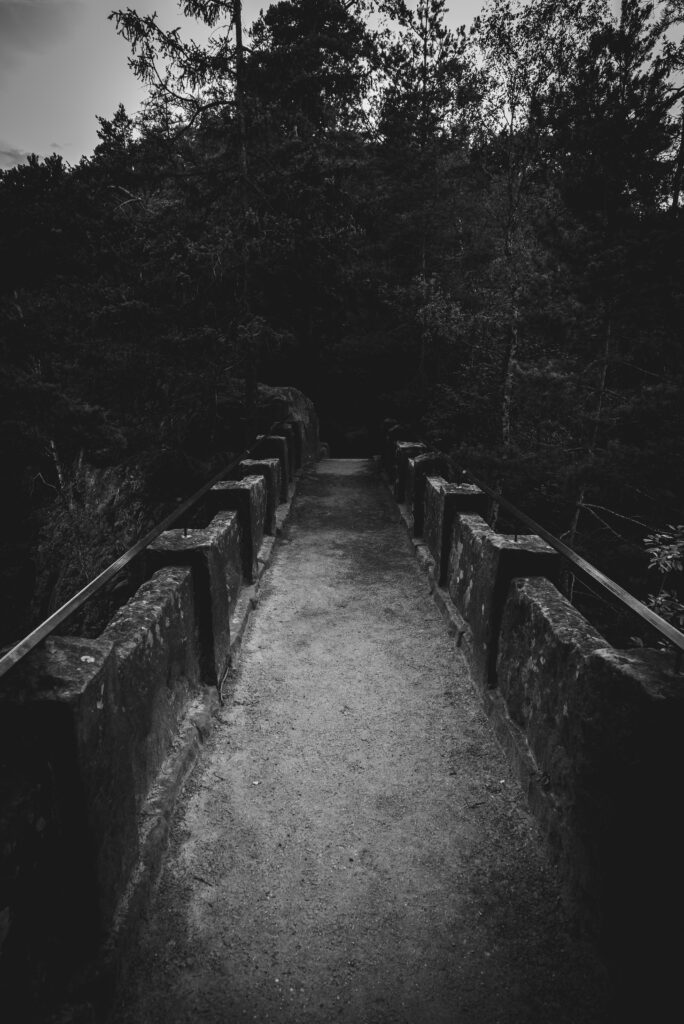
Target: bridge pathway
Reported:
[(353, 846)]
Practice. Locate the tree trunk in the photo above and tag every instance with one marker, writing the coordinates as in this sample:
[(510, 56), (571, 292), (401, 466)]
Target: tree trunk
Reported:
[(679, 170), (507, 379), (571, 535), (506, 401), (240, 96), (58, 467), (424, 77), (251, 389), (249, 341)]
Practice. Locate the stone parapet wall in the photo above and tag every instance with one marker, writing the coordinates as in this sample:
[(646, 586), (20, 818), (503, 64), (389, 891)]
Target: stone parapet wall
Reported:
[(215, 556), (443, 501), (93, 730), (481, 565), (155, 642), (419, 467), (404, 451), (290, 406), (101, 716), (274, 446), (595, 733), (248, 498), (604, 727), (270, 470)]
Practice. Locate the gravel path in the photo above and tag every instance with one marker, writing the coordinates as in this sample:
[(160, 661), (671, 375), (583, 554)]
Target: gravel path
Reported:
[(353, 846)]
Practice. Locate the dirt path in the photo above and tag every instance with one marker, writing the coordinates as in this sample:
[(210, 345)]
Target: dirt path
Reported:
[(353, 846)]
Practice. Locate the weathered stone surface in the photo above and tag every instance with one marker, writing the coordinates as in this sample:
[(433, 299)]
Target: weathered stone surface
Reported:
[(605, 728), (270, 470), (418, 468), (275, 446), (49, 835), (247, 497), (544, 647), (482, 564), (214, 555), (443, 501), (156, 647), (98, 718), (404, 450), (288, 405)]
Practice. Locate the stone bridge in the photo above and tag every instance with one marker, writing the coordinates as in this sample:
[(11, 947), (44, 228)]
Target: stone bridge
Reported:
[(347, 754)]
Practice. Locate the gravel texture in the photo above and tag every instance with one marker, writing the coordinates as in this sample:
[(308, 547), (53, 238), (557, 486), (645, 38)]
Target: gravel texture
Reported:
[(353, 846)]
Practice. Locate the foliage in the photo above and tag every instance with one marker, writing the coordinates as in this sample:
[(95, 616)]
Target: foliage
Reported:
[(666, 550), (476, 232), (666, 556), (427, 81)]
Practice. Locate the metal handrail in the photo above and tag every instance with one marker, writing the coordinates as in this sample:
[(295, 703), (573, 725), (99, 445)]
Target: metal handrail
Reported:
[(665, 628), (48, 626)]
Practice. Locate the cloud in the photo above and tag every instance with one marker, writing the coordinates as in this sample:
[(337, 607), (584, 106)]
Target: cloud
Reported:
[(10, 155), (29, 26)]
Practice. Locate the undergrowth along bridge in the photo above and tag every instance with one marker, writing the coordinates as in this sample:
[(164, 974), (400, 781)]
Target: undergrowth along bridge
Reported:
[(103, 733)]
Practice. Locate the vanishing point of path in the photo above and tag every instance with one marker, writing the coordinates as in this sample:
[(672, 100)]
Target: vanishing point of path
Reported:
[(353, 846)]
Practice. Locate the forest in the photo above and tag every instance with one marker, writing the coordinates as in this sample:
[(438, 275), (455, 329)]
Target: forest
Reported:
[(477, 233)]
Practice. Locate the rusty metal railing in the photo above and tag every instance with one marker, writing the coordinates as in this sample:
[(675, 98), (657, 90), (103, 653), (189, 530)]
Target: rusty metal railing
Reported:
[(49, 625), (589, 571)]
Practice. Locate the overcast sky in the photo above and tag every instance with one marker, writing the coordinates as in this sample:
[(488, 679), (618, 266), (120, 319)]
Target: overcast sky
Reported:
[(62, 63)]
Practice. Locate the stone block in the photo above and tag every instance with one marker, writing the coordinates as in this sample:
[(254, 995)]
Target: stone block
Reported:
[(605, 728), (288, 405), (247, 497), (275, 446), (404, 450), (482, 564), (544, 647), (52, 765), (156, 646), (214, 554), (98, 718), (270, 470), (418, 468), (443, 501)]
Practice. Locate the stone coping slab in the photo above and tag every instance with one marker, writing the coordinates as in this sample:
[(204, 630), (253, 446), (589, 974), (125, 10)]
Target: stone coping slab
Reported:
[(404, 450), (417, 469), (214, 554), (482, 564), (605, 728), (248, 498), (155, 639), (271, 472), (100, 717), (276, 446), (443, 501)]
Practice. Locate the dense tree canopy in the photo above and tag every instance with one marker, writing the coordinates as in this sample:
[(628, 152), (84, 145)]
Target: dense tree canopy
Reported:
[(477, 233)]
